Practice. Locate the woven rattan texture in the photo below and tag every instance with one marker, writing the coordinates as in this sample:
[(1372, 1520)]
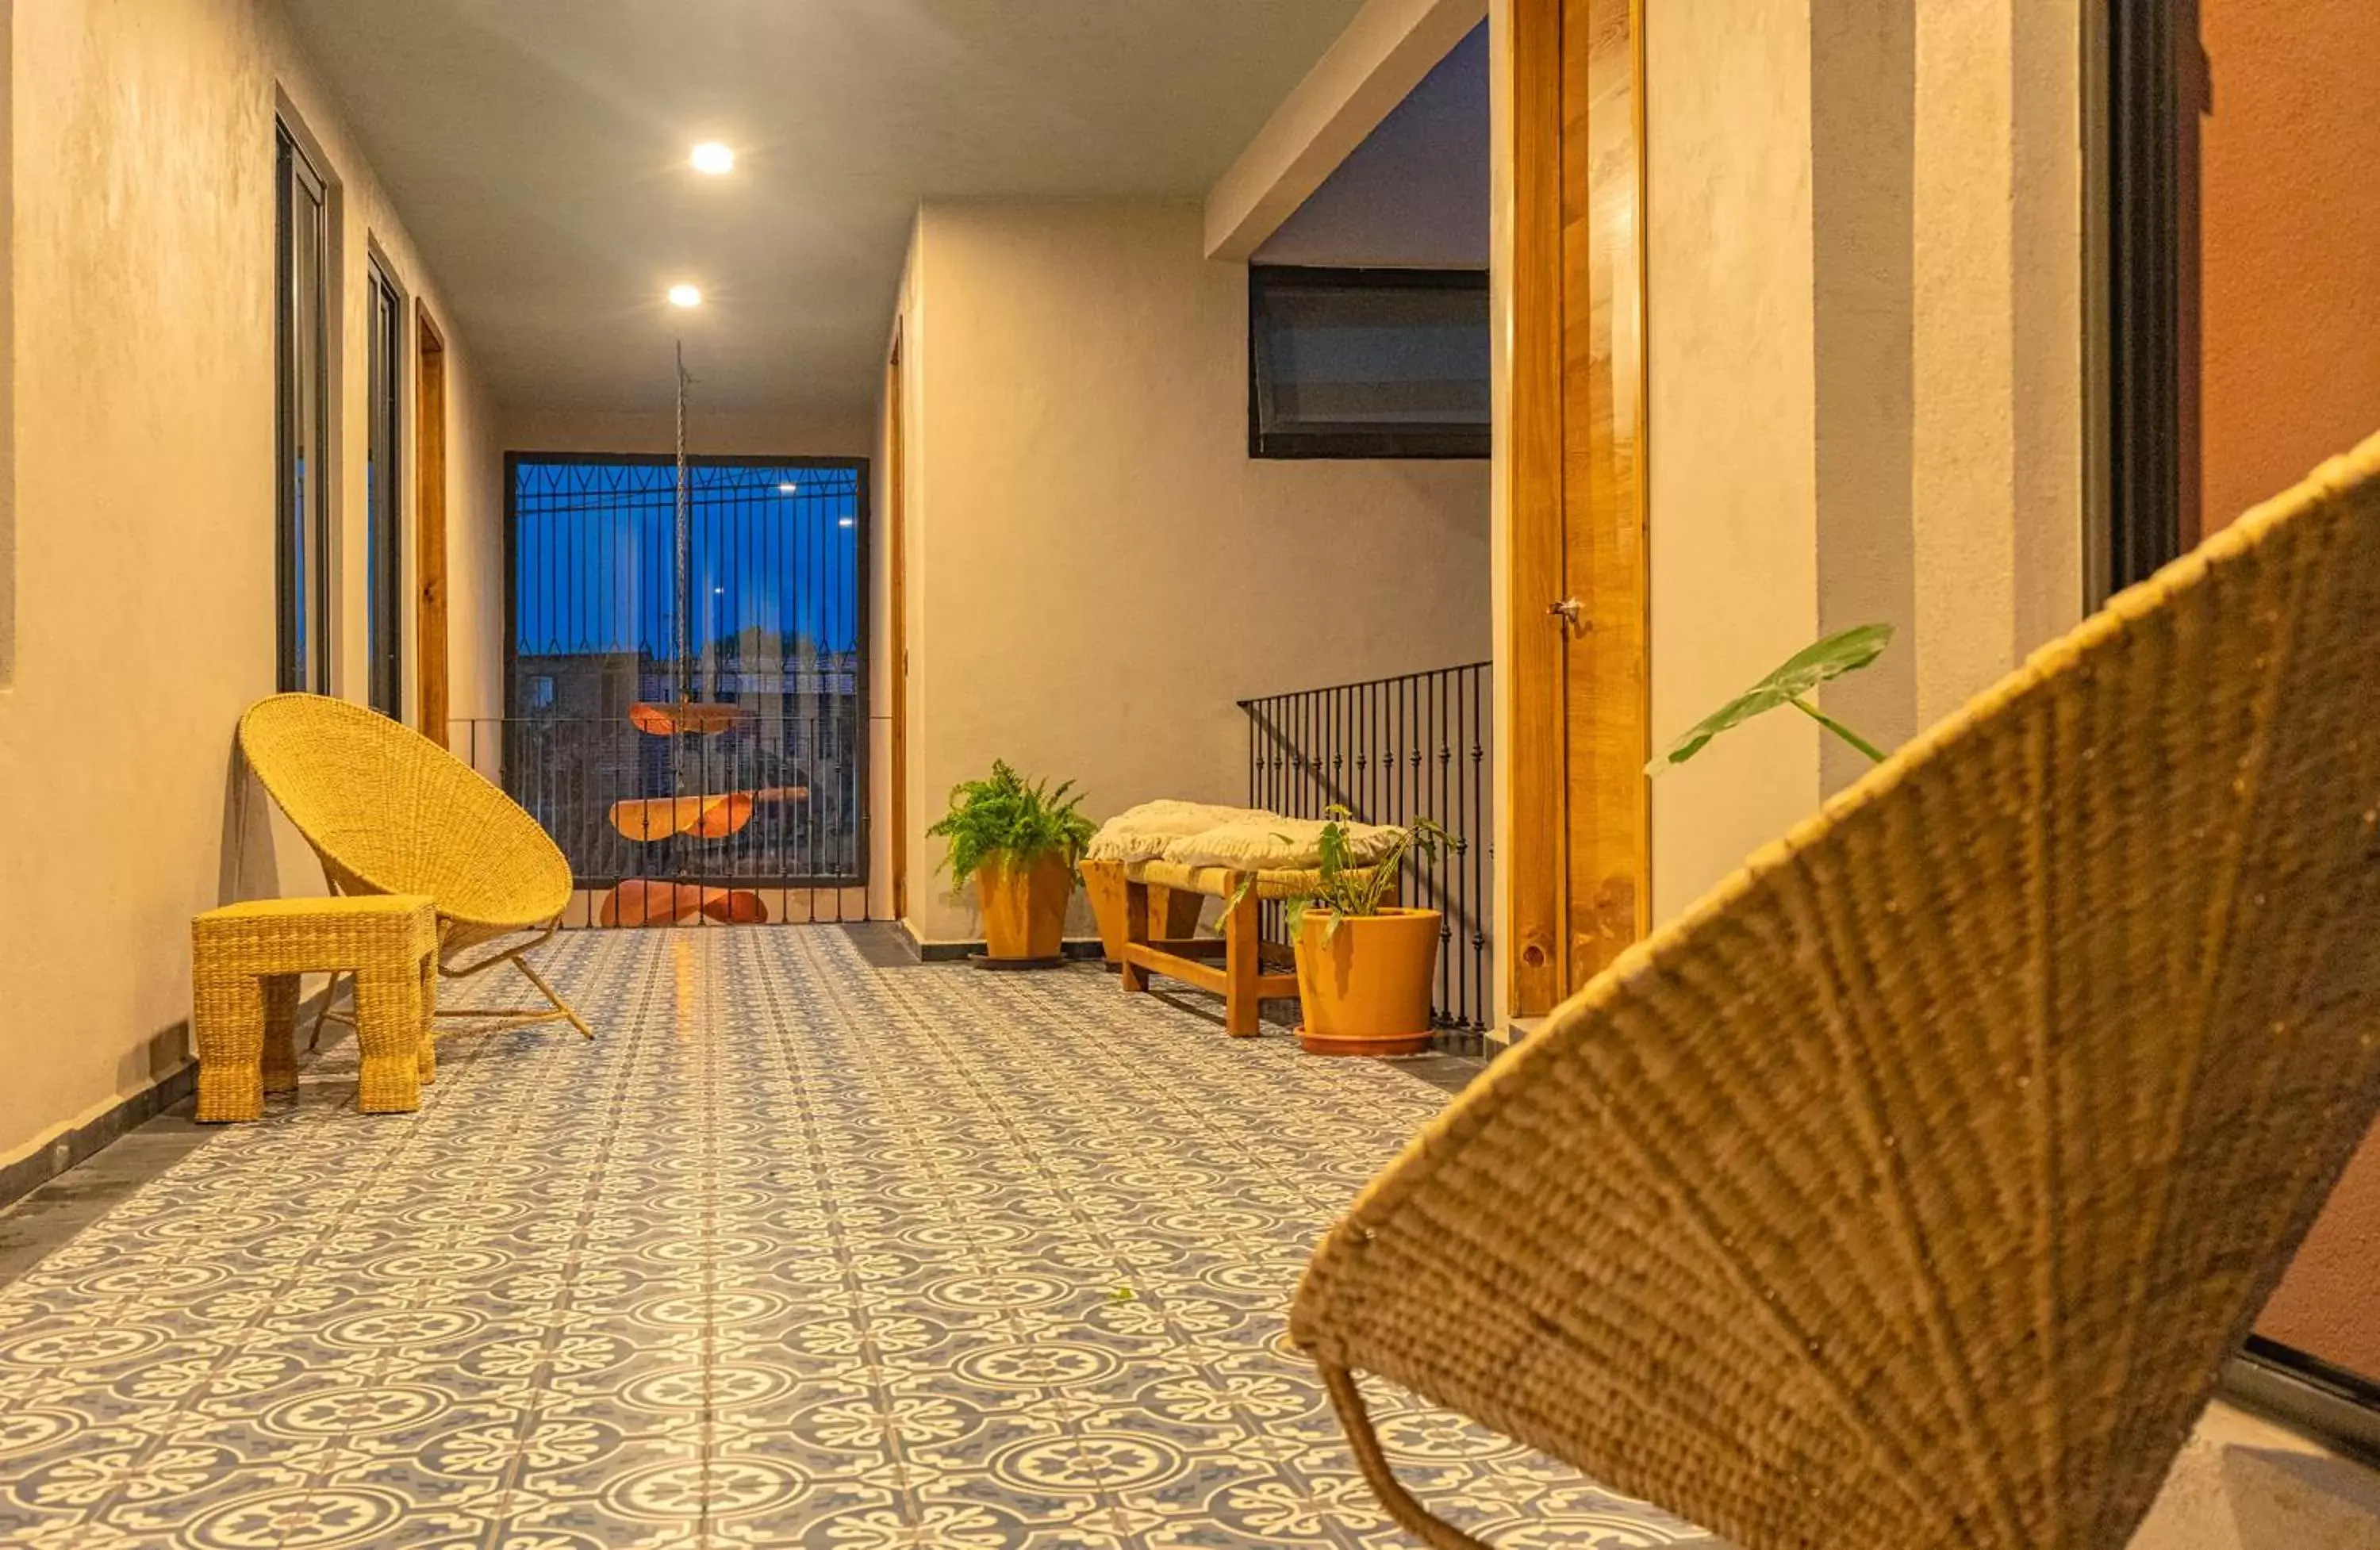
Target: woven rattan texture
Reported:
[(388, 811), (245, 960), (1912, 1188)]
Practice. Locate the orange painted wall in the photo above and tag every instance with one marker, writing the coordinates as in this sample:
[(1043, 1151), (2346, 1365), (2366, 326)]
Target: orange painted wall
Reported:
[(2290, 243), (2290, 374)]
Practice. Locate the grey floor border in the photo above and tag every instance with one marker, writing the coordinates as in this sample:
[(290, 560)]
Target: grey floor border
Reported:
[(26, 1174), (50, 1216)]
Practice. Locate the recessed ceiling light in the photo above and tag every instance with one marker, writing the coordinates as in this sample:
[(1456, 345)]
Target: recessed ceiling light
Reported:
[(789, 487), (685, 296), (712, 158), (847, 522)]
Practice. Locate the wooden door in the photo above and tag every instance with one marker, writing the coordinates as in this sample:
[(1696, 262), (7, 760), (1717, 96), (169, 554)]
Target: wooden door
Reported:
[(897, 628), (1578, 879), (429, 528)]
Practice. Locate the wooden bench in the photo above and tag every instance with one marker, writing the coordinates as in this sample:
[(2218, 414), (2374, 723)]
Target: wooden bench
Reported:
[(1238, 966)]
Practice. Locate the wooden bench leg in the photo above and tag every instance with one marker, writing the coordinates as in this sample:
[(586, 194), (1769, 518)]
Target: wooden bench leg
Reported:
[(1134, 977), (1242, 955)]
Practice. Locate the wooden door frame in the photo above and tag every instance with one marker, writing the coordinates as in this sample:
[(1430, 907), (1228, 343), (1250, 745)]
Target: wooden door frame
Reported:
[(896, 624), (432, 664), (1577, 870)]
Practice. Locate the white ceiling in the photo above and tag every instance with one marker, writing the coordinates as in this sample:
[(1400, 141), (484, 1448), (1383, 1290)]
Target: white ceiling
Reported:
[(536, 150)]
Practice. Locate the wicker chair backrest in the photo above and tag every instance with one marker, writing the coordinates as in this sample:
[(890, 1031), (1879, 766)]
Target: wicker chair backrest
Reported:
[(1913, 1188), (389, 811)]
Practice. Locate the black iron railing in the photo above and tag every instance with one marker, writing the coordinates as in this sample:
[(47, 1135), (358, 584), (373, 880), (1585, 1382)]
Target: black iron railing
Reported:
[(770, 803), (1394, 750)]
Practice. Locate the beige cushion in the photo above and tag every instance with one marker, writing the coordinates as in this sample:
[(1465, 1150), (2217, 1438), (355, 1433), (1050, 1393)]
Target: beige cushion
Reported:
[(1275, 844), (1142, 833), (1222, 882)]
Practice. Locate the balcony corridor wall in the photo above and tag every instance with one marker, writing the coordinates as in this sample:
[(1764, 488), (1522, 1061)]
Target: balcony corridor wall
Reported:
[(142, 298), (1097, 568), (1865, 329)]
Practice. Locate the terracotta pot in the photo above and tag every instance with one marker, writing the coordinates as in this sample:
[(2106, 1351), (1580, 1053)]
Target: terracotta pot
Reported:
[(1366, 991), (1025, 908)]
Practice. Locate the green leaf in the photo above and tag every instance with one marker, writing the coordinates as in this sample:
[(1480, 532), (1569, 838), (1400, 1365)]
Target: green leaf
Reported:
[(1819, 662), (1011, 818), (1344, 889)]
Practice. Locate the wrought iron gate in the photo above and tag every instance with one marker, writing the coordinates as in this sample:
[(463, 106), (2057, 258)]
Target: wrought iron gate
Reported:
[(741, 765)]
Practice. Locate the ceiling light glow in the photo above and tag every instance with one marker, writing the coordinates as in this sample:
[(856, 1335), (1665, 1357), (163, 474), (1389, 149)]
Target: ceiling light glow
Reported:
[(847, 522), (789, 487), (712, 159), (685, 296)]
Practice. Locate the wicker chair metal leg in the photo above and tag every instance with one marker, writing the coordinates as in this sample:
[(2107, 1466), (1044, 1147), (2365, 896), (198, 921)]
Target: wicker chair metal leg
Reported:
[(279, 1057), (323, 1014), (565, 1008), (1348, 1400), (426, 1057)]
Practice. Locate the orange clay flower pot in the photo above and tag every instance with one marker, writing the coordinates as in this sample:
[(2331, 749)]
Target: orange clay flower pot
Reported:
[(1366, 991), (1025, 908)]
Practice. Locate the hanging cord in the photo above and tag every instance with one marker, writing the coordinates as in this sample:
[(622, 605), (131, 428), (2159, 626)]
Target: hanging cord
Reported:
[(685, 540)]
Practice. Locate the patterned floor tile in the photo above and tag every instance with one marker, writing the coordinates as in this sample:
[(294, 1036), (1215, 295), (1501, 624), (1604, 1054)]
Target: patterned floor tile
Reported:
[(801, 1253)]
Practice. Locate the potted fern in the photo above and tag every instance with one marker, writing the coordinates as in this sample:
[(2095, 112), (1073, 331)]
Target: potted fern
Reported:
[(1365, 965), (1018, 842)]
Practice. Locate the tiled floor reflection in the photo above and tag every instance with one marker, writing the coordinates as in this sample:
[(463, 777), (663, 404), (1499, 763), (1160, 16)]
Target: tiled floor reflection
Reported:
[(801, 1252)]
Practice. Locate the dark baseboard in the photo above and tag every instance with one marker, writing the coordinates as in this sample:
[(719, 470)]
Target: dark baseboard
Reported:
[(26, 1174), (2328, 1403), (1081, 950)]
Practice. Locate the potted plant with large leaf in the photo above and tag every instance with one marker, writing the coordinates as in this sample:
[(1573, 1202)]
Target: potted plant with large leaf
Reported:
[(1018, 841), (1366, 966), (1792, 683)]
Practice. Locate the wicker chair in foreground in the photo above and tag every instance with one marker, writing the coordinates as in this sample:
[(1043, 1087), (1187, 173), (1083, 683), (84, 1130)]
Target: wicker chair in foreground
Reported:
[(1913, 1190), (388, 811)]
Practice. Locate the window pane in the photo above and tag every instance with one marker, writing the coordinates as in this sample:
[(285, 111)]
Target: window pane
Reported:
[(1350, 363), (382, 483), (303, 419), (769, 609)]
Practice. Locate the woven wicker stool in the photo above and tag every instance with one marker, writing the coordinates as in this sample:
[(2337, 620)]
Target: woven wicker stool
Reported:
[(244, 964)]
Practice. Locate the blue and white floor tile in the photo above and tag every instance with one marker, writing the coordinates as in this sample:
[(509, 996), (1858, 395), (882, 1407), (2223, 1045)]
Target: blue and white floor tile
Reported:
[(799, 1252)]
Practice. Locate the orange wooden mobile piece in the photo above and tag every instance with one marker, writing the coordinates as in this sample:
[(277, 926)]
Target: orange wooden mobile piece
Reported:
[(702, 717), (705, 817), (646, 901)]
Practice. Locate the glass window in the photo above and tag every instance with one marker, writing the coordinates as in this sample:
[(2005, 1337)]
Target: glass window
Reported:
[(1368, 363), (383, 484), (302, 482)]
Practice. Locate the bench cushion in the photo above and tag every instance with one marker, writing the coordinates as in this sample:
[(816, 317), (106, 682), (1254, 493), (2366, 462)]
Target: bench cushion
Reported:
[(1221, 882), (1142, 833), (1276, 844)]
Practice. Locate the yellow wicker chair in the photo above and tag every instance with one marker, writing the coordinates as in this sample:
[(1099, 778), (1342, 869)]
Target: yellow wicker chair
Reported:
[(388, 811), (1913, 1188)]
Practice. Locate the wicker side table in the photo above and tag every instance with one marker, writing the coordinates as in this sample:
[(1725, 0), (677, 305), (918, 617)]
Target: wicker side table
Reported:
[(244, 962)]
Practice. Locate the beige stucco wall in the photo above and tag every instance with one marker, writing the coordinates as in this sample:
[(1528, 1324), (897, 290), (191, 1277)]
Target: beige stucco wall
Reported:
[(1866, 374), (1730, 417), (1097, 569), (141, 296)]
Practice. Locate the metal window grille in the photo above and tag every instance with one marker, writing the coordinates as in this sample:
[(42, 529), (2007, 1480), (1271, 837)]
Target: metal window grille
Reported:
[(774, 599), (1393, 750)]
